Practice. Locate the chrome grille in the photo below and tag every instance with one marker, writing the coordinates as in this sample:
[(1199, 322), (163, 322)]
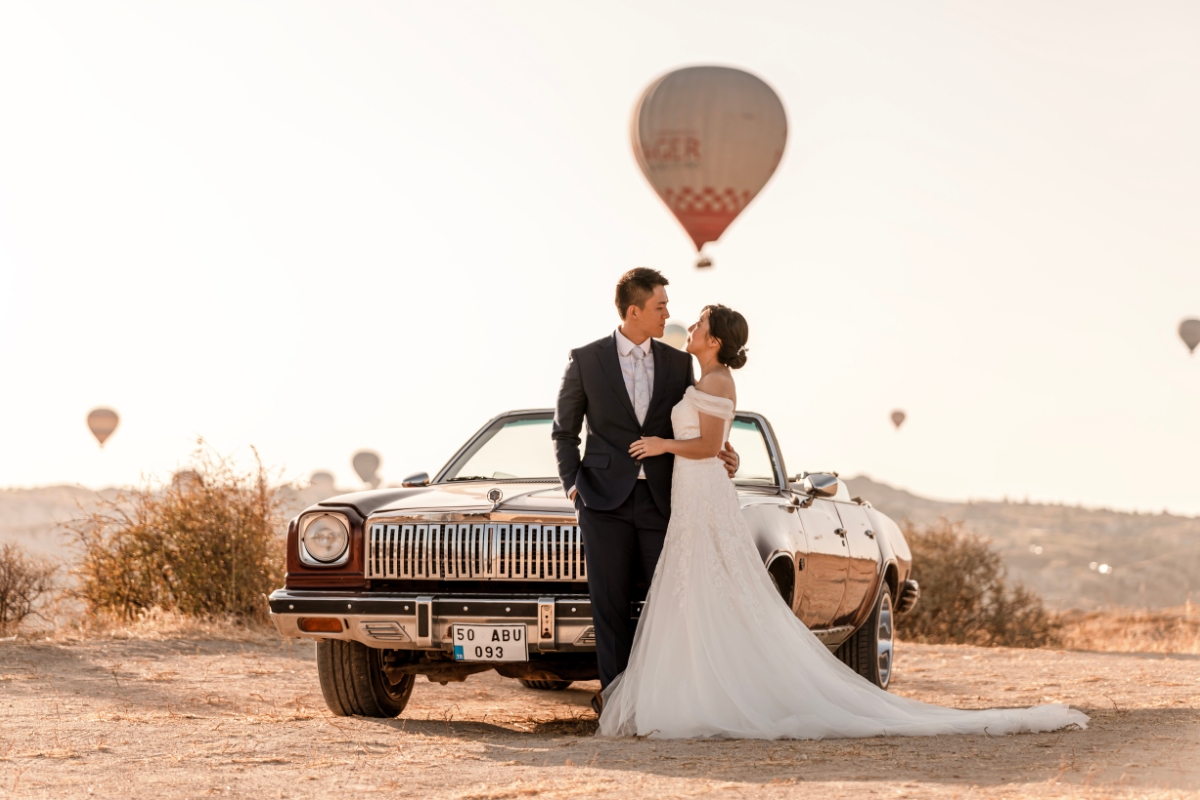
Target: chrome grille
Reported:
[(475, 551)]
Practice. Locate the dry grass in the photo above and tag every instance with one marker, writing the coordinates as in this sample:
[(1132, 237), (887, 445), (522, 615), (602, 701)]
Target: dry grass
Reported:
[(206, 546), (965, 595), (1172, 630), (156, 624)]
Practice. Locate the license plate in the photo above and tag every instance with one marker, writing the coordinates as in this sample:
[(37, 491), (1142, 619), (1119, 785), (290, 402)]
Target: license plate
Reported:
[(489, 642)]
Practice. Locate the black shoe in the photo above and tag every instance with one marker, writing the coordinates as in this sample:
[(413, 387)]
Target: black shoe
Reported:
[(598, 703)]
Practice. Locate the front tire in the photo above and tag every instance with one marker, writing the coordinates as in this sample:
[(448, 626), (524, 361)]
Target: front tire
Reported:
[(353, 681), (546, 686), (870, 650)]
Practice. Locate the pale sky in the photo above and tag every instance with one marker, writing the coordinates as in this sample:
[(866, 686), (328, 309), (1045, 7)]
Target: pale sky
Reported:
[(315, 227)]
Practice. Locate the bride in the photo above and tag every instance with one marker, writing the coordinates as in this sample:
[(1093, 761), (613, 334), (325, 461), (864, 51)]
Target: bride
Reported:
[(717, 652)]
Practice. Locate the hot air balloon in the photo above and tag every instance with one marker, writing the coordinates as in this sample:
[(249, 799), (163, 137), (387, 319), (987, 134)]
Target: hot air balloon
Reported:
[(675, 335), (1189, 331), (708, 139), (366, 462), (898, 418), (187, 479), (321, 482), (102, 421)]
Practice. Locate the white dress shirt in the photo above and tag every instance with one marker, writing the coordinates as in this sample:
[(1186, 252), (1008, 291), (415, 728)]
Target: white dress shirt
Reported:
[(625, 356)]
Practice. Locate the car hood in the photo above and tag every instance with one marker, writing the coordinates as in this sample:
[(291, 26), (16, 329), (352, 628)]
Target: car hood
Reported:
[(467, 497), (471, 497)]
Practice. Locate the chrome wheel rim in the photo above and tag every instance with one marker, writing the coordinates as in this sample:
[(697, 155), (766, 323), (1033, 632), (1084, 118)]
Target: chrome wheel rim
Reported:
[(886, 640)]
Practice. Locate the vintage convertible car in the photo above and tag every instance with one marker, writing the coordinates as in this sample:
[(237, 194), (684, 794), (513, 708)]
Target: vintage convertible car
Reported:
[(483, 568)]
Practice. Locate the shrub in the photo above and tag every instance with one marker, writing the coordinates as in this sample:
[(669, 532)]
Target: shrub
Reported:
[(24, 581), (206, 545), (965, 595)]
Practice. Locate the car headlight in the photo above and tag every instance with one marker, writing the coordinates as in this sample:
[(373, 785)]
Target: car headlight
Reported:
[(324, 539)]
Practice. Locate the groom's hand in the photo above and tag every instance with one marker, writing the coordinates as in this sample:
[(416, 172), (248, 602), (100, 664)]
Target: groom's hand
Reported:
[(731, 459)]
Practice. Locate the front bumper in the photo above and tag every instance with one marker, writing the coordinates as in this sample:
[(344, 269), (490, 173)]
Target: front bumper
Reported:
[(554, 624)]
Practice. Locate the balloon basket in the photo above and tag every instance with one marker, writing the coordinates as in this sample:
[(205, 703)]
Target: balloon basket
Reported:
[(704, 262)]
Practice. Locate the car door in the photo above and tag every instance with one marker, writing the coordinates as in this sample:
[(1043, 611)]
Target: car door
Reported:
[(862, 565), (826, 564)]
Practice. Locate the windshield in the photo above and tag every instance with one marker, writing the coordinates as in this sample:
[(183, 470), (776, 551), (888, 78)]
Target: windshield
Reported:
[(521, 449), (518, 448), (755, 467)]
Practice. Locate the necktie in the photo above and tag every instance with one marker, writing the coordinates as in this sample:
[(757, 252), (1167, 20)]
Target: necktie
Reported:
[(641, 385)]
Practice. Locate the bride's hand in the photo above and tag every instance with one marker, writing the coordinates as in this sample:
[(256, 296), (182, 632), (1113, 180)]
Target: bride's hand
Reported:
[(648, 446)]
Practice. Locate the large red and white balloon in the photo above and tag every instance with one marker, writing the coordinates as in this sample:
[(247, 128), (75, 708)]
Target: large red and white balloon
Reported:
[(708, 139)]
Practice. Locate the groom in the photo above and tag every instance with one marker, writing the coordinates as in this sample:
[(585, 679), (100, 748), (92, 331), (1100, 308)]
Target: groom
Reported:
[(625, 386)]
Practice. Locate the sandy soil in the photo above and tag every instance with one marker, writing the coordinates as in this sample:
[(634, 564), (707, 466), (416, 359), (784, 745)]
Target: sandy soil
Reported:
[(195, 718)]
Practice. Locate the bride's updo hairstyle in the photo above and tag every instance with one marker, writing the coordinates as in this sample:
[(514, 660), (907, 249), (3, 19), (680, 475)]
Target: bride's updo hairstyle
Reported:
[(730, 327)]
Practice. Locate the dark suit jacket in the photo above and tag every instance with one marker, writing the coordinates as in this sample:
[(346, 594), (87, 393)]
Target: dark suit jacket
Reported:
[(593, 389)]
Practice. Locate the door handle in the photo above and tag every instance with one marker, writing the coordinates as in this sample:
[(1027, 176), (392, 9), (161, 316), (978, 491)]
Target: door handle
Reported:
[(840, 531)]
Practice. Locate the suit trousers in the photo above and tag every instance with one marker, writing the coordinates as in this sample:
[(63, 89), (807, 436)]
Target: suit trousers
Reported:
[(622, 547)]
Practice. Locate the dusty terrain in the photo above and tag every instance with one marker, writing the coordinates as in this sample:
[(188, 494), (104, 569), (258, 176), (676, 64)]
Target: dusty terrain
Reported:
[(181, 718)]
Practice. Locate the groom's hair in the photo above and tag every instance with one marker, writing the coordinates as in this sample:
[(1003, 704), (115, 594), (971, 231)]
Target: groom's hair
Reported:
[(636, 286)]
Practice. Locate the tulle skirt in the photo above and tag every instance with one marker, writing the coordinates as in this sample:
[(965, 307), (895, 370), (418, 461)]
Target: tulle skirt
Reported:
[(719, 654)]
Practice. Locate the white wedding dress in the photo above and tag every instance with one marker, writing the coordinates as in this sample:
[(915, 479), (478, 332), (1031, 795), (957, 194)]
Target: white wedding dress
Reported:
[(718, 653)]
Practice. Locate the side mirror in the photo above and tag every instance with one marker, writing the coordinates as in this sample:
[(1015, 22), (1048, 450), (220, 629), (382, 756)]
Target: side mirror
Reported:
[(821, 484), (416, 479)]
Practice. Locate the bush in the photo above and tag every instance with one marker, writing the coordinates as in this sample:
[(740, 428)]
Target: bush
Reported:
[(965, 597), (24, 581), (206, 545)]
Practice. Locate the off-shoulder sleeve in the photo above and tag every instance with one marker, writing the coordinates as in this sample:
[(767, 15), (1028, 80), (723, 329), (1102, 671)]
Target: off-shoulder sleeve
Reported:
[(710, 404)]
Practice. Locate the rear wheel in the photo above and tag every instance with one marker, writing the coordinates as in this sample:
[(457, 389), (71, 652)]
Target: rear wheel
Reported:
[(870, 650), (546, 686), (353, 681)]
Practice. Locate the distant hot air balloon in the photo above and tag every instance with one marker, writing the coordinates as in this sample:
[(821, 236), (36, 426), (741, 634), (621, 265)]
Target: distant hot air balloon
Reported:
[(366, 462), (675, 335), (102, 421), (708, 139), (321, 482), (898, 418), (187, 479), (1189, 331)]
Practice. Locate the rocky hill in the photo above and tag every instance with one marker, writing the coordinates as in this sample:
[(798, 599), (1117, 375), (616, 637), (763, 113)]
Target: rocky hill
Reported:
[(1075, 557)]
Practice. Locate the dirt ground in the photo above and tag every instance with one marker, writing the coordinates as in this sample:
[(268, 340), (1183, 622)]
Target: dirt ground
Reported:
[(183, 718)]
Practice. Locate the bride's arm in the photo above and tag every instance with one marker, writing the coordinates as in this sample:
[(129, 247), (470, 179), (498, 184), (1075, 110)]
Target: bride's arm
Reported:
[(707, 445)]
